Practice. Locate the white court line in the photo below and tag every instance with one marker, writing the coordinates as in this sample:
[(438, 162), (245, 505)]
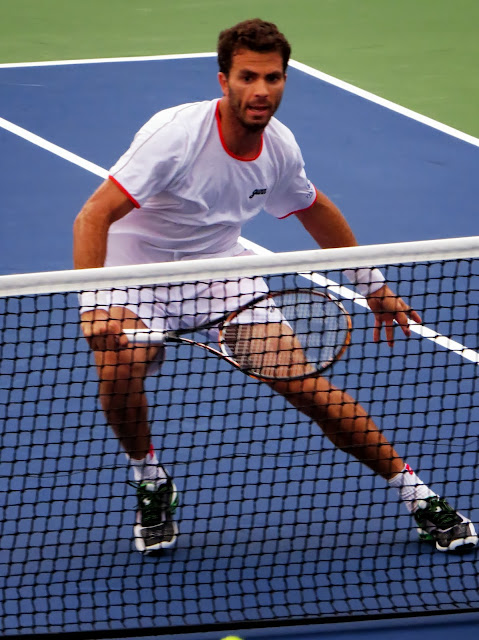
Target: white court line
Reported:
[(61, 63), (315, 73), (344, 292), (53, 148), (386, 104)]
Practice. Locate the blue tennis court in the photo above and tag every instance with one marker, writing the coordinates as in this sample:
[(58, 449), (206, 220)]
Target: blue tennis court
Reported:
[(396, 180)]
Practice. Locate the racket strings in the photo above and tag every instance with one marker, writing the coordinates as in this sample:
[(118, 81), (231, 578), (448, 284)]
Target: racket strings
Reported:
[(287, 335)]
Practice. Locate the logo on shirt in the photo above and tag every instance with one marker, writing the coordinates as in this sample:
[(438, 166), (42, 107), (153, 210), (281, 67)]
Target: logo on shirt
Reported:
[(258, 192), (311, 190)]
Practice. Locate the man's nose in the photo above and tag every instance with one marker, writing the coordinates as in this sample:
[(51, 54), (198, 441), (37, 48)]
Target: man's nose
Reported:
[(261, 87)]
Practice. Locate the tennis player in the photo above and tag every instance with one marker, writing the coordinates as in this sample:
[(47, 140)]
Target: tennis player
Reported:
[(193, 175)]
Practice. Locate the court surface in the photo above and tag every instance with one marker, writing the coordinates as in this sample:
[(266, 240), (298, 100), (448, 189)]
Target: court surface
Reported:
[(395, 178)]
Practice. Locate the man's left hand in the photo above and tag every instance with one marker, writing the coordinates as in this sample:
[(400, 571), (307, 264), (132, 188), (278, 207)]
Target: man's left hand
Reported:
[(387, 308)]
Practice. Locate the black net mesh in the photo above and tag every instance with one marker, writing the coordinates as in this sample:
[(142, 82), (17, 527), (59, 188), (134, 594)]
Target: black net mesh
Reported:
[(276, 524)]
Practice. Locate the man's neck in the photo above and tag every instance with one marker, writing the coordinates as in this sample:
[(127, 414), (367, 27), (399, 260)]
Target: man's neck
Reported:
[(238, 139)]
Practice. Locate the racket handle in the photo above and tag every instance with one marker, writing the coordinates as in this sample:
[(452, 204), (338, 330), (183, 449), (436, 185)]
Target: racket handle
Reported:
[(145, 336)]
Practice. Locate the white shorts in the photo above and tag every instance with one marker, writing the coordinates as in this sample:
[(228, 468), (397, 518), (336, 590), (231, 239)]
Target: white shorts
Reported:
[(182, 306)]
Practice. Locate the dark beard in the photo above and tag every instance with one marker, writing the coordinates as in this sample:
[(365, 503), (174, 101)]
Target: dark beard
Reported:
[(250, 127)]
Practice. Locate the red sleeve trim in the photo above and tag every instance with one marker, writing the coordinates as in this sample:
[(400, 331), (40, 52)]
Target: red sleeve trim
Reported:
[(300, 210), (123, 190)]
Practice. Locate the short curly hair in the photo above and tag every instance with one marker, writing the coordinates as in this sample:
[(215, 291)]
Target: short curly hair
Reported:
[(256, 35)]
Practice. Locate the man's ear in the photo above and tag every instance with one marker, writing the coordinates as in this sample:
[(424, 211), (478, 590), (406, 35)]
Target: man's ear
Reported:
[(223, 80)]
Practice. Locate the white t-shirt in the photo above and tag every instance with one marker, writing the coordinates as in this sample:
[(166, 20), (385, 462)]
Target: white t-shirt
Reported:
[(192, 194)]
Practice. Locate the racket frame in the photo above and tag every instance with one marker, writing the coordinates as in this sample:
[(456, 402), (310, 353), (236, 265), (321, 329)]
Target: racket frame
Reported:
[(149, 337)]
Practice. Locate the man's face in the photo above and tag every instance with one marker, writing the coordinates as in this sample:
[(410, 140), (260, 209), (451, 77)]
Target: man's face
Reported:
[(254, 87)]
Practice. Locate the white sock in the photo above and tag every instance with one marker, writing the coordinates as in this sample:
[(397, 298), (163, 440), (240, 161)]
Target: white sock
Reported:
[(410, 488), (148, 468)]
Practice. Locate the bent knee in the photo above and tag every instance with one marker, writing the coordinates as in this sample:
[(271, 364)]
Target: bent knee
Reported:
[(118, 381)]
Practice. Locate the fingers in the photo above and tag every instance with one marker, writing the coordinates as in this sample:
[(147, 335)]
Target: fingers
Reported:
[(414, 316), (388, 321), (377, 329), (402, 318), (389, 325), (105, 334), (389, 309)]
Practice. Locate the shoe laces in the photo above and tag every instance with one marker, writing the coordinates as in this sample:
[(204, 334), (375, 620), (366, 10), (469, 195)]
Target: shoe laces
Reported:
[(439, 513), (154, 504)]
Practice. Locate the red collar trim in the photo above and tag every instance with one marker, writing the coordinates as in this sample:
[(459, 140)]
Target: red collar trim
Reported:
[(223, 143)]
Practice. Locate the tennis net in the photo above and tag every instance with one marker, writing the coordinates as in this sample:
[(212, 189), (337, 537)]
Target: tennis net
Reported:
[(277, 526)]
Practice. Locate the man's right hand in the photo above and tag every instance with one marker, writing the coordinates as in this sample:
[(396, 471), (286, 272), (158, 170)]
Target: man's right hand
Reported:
[(102, 332)]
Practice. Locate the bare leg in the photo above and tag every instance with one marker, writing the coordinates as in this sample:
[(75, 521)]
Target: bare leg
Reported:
[(273, 350), (121, 389), (344, 421)]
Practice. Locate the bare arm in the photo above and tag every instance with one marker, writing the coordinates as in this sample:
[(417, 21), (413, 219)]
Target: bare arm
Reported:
[(90, 229), (90, 232), (327, 225)]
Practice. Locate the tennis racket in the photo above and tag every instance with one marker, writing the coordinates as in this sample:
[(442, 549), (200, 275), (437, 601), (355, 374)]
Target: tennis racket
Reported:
[(281, 335)]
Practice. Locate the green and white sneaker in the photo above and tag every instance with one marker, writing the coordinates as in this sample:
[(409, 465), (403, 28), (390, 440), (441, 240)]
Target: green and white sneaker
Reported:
[(155, 528), (439, 523)]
